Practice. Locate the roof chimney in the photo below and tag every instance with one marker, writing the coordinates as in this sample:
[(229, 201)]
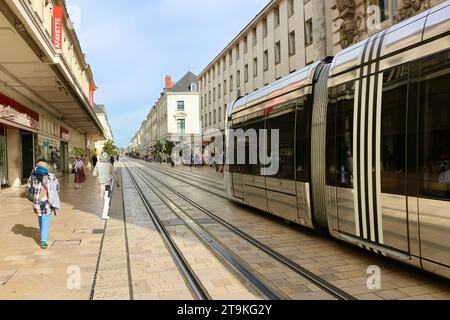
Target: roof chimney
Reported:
[(168, 83)]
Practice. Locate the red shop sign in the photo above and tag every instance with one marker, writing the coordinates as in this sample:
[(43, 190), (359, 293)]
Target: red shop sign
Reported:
[(15, 112), (91, 95), (57, 27)]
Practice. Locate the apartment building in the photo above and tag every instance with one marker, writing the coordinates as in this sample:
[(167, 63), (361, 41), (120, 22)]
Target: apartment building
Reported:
[(174, 115), (46, 90), (286, 36), (278, 41), (102, 115)]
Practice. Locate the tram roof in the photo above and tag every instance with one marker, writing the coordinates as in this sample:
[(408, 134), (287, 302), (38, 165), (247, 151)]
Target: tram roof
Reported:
[(405, 34), (295, 80)]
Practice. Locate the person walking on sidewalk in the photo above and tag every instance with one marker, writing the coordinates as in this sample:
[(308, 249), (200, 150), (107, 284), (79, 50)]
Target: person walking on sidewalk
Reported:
[(42, 190), (94, 161), (105, 173), (80, 176)]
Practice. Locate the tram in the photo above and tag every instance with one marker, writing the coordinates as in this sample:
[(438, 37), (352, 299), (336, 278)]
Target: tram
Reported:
[(364, 149)]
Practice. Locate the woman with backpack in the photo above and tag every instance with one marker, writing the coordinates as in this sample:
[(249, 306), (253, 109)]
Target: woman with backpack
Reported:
[(42, 190)]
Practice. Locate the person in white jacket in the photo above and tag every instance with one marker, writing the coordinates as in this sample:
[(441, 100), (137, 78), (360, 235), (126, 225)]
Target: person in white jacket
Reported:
[(105, 173)]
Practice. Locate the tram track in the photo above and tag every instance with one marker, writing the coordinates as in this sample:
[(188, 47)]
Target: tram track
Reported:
[(194, 284), (293, 266), (192, 280), (169, 173)]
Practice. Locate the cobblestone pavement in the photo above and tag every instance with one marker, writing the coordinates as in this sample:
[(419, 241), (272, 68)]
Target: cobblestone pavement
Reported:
[(29, 273), (152, 264), (342, 265)]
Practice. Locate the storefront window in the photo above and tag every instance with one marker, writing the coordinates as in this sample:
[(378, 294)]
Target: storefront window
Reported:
[(3, 172), (50, 150)]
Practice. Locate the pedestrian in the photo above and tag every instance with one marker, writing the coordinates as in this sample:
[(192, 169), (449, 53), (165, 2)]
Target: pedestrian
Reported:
[(94, 161), (80, 176), (112, 160), (105, 174), (43, 191)]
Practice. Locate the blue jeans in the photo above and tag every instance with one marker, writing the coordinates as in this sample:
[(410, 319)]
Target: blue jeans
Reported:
[(44, 225)]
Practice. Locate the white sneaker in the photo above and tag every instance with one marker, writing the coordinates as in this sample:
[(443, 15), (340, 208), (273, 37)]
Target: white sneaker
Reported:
[(105, 218)]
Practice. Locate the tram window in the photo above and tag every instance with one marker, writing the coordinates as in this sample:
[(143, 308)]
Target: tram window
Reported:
[(247, 168), (393, 131), (331, 139), (434, 121), (345, 101), (286, 126), (303, 139)]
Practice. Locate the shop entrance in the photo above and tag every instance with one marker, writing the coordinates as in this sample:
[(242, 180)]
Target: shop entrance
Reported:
[(3, 166), (27, 154)]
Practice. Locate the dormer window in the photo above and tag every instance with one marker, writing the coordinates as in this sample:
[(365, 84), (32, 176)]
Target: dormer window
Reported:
[(193, 87)]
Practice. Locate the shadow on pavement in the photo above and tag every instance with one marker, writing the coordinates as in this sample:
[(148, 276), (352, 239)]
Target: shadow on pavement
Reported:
[(27, 232)]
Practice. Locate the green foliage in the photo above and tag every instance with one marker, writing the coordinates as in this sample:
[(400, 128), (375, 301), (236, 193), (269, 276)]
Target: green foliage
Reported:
[(110, 148), (77, 152), (159, 147), (169, 147)]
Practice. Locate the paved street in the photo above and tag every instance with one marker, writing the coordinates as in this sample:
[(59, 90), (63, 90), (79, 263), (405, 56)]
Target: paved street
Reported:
[(135, 263)]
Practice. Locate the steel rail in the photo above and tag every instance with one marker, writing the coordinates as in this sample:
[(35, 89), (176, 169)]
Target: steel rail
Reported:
[(197, 289), (209, 240), (315, 279)]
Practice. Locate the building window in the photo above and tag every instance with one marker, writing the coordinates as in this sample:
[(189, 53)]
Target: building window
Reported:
[(277, 52), (214, 73), (238, 79), (194, 87), (264, 27), (388, 9), (206, 121), (180, 105), (181, 126), (224, 64), (246, 73), (292, 43), (231, 83), (220, 91), (209, 97), (255, 39), (290, 7), (214, 95), (266, 60), (215, 116), (255, 67), (238, 52), (276, 17), (218, 68), (245, 44), (210, 119), (308, 33), (224, 87), (230, 57)]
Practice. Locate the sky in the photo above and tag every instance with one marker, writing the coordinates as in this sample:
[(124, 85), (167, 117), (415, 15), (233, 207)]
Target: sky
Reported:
[(132, 45)]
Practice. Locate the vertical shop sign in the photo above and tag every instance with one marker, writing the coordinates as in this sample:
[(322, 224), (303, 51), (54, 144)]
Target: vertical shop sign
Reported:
[(91, 95), (57, 20)]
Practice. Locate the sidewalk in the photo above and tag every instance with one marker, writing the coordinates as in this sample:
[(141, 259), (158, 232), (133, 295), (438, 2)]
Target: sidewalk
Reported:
[(26, 271)]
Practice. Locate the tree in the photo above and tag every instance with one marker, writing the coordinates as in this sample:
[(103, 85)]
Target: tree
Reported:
[(110, 148), (169, 148), (159, 147)]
